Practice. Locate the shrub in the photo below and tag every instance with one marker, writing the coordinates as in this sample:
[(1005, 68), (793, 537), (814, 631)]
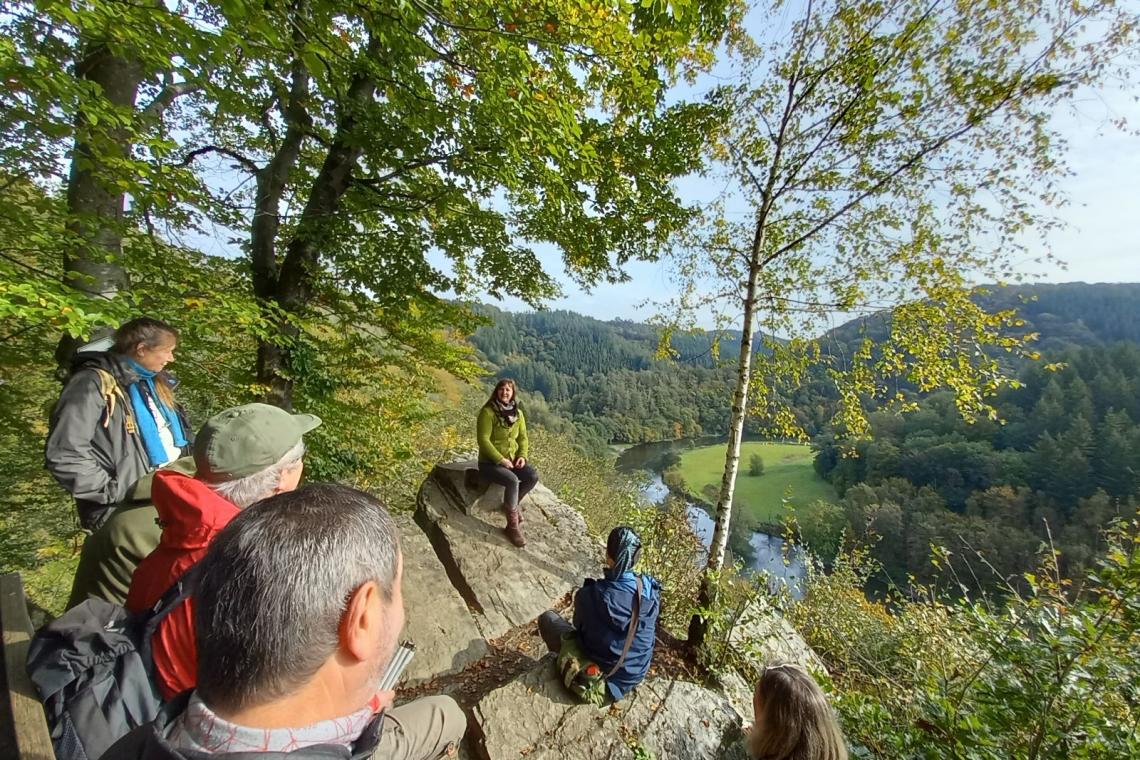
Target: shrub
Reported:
[(1049, 673), (755, 465)]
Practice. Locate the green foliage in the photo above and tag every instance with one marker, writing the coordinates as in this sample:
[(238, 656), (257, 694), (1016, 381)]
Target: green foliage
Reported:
[(1050, 673), (755, 465)]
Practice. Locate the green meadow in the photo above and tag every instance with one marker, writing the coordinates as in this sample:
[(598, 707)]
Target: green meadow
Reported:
[(788, 474)]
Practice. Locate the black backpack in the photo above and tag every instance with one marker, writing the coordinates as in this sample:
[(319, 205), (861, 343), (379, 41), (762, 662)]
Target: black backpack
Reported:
[(94, 672)]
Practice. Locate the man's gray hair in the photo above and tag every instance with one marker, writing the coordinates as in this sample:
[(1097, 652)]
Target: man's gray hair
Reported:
[(275, 583), (245, 491)]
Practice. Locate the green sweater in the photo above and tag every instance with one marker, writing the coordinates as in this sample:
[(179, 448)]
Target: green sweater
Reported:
[(497, 441)]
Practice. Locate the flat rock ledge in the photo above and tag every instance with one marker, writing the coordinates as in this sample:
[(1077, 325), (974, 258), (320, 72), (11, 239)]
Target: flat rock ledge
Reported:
[(534, 717), (438, 621), (503, 586)]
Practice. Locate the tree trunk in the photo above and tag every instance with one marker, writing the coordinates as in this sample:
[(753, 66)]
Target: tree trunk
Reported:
[(271, 182), (698, 626), (293, 285), (94, 209)]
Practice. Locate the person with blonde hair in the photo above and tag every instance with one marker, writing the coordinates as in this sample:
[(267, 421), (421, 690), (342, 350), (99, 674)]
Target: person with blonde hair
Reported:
[(793, 719), (117, 419)]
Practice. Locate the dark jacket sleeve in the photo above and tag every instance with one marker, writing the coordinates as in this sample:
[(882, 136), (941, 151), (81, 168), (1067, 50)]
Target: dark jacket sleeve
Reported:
[(583, 604), (70, 452)]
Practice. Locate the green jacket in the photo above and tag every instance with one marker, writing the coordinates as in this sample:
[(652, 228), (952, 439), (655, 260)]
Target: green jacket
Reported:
[(111, 554), (497, 441)]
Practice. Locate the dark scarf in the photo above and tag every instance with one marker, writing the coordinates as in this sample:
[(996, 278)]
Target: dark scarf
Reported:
[(622, 547), (508, 413)]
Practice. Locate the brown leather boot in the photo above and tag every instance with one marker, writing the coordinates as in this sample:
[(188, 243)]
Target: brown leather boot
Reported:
[(514, 534)]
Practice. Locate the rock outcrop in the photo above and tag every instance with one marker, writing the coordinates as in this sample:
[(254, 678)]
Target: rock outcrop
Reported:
[(503, 586), (762, 636), (534, 717), (438, 621), (465, 585)]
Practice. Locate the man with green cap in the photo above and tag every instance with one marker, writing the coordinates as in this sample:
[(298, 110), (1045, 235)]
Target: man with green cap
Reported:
[(243, 455)]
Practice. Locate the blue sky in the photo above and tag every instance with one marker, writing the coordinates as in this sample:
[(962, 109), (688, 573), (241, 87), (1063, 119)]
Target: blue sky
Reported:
[(1099, 243)]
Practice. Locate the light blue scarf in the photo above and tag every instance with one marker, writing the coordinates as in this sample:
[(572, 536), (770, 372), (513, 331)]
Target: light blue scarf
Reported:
[(148, 427)]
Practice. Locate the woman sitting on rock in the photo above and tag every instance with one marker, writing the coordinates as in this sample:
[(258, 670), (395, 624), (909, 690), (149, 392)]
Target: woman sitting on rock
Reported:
[(503, 450), (793, 719), (603, 611)]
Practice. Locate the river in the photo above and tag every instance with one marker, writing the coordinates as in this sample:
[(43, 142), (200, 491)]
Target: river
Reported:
[(769, 550)]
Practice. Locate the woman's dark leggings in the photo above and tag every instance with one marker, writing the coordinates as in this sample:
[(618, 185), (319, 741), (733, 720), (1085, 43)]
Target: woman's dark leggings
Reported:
[(551, 626), (517, 483)]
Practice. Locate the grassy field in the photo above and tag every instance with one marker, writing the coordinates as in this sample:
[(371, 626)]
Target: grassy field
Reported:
[(788, 473)]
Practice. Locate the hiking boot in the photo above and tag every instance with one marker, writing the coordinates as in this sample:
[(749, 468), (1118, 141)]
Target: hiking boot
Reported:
[(514, 534), (518, 509)]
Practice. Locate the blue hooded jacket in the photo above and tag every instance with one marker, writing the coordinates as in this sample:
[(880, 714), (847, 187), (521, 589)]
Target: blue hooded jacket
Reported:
[(603, 609)]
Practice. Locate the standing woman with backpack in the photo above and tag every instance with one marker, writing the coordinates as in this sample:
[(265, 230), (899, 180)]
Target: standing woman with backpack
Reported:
[(117, 419), (503, 450)]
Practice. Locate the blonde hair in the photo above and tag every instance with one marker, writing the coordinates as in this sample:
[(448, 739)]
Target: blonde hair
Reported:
[(151, 333), (793, 721)]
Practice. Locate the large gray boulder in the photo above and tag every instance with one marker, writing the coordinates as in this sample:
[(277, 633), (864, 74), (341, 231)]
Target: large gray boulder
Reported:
[(502, 585), (762, 636), (534, 717), (438, 621)]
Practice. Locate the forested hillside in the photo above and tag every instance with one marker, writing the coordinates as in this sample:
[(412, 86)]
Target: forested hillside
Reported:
[(604, 375), (1062, 464), (1062, 315)]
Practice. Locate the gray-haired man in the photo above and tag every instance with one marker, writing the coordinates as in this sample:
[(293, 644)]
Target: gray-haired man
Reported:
[(298, 612)]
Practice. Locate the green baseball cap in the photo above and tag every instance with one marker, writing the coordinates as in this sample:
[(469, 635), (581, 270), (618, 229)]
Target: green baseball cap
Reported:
[(247, 439)]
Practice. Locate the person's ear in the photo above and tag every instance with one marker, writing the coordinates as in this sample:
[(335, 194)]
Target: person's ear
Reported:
[(361, 622)]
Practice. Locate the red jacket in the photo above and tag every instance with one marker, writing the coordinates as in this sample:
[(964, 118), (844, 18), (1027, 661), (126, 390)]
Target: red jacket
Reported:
[(191, 515)]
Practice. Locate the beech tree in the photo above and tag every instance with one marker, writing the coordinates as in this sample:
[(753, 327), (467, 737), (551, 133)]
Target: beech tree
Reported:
[(367, 159), (81, 118), (888, 155), (390, 153)]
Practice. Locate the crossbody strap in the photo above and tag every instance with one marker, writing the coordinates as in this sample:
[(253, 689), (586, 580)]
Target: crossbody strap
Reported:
[(632, 628)]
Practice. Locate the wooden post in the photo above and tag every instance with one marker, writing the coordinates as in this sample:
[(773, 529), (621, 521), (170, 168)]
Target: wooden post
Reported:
[(24, 728)]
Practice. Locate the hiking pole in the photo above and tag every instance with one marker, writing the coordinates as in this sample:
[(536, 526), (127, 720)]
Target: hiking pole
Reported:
[(399, 661)]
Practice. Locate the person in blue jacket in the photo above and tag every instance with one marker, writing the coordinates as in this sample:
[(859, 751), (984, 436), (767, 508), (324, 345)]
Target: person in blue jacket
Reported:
[(603, 610)]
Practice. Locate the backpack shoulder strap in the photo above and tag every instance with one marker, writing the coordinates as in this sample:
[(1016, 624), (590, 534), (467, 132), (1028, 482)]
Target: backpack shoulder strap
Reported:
[(632, 628), (112, 392), (182, 590)]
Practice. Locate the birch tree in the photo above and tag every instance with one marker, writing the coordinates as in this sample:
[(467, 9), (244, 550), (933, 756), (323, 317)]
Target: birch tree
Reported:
[(888, 154)]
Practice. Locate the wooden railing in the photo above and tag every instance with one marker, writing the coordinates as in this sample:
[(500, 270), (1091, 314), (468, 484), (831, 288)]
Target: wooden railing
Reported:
[(23, 728)]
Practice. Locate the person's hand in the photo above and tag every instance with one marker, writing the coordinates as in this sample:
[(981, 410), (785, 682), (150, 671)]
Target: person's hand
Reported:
[(504, 462), (382, 700), (520, 463)]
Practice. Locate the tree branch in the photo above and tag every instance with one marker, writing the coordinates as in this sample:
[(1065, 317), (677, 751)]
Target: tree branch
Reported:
[(171, 92), (247, 163)]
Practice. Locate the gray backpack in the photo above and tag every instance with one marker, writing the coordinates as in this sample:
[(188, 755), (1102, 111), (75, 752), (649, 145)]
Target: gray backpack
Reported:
[(94, 672)]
